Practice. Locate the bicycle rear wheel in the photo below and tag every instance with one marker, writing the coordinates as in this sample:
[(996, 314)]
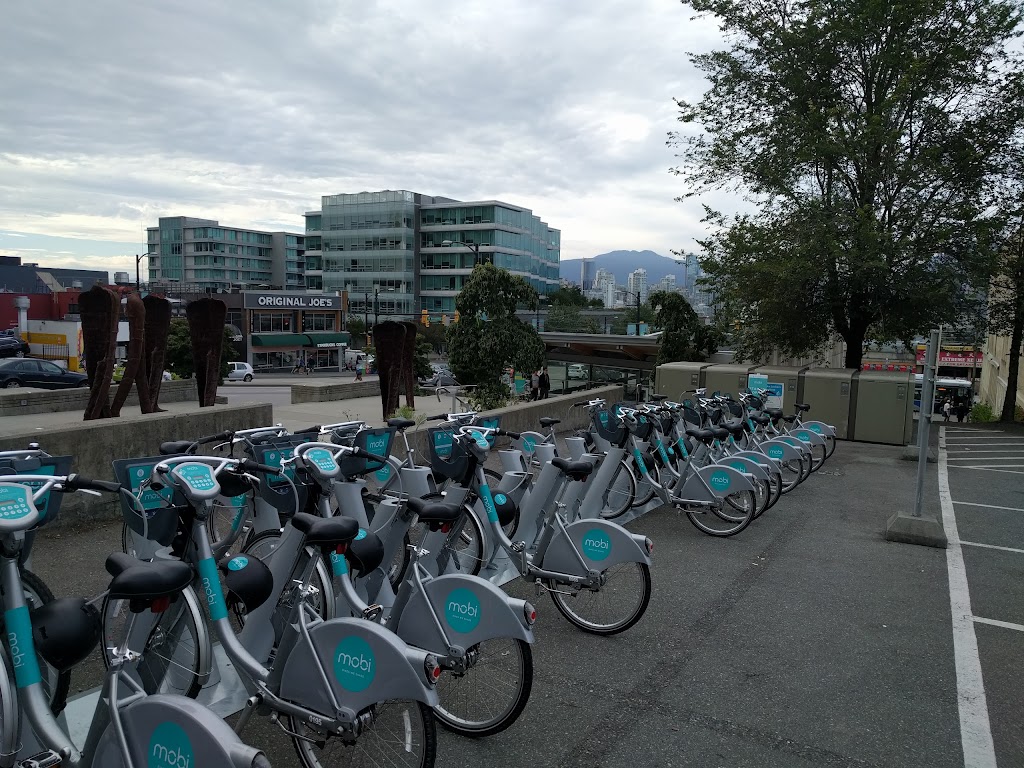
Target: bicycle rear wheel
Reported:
[(792, 473), (178, 654), (262, 546), (618, 497), (465, 542), (645, 486), (489, 697), (386, 478), (728, 518), (616, 606)]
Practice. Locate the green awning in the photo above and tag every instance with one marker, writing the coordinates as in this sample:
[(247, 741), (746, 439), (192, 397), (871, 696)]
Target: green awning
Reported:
[(328, 339), (279, 340)]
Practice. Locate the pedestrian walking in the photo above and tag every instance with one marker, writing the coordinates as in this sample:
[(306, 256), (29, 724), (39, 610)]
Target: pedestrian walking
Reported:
[(359, 367), (961, 411), (535, 385), (545, 383), (300, 364), (946, 408)]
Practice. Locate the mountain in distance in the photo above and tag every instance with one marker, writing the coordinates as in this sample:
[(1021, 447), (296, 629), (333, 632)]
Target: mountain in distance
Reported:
[(621, 263)]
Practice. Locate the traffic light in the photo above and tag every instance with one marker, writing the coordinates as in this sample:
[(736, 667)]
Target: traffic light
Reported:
[(425, 318)]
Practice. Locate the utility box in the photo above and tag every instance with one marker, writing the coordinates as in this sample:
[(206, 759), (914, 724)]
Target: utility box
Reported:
[(731, 379), (883, 407), (676, 379), (829, 392), (788, 377)]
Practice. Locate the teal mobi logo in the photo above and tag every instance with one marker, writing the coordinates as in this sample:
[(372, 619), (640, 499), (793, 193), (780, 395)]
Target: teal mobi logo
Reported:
[(462, 610), (338, 565), (596, 544), (169, 747), (238, 563), (361, 535), (19, 640), (816, 428), (354, 664), (775, 452), (383, 473), (720, 480), (738, 466), (500, 498), (212, 590), (529, 444), (488, 499)]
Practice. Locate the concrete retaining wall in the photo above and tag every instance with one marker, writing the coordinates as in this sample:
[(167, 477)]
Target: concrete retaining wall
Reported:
[(17, 402), (347, 390), (95, 444)]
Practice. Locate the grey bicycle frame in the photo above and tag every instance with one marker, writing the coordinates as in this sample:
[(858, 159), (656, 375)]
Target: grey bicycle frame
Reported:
[(133, 731)]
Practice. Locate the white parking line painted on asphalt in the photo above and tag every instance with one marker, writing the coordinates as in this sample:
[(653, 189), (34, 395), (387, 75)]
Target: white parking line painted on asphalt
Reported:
[(968, 429), (987, 458), (1004, 449), (997, 623), (988, 506), (975, 731), (987, 469), (991, 546)]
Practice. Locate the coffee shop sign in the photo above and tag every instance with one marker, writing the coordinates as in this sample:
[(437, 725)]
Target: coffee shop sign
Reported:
[(293, 301)]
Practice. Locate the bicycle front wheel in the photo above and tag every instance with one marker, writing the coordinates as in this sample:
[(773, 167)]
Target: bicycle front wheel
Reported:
[(387, 478), (178, 654), (615, 606), (263, 545), (645, 486), (730, 516), (618, 497), (400, 734), (491, 695)]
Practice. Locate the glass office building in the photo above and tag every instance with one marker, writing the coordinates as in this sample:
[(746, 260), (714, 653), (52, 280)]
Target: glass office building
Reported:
[(400, 252), (202, 255)]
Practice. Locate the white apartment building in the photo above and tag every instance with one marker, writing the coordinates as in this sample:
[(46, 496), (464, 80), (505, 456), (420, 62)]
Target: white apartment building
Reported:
[(637, 283)]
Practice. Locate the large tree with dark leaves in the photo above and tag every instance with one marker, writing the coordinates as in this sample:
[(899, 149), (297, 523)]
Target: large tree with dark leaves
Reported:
[(684, 336), (489, 338), (862, 134)]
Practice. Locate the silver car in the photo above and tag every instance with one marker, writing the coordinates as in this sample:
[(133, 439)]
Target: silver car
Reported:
[(240, 372)]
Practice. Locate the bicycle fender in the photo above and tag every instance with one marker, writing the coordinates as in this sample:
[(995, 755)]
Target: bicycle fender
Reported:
[(747, 465), (365, 664), (767, 463), (171, 730), (798, 445), (601, 543), (723, 480), (820, 428), (469, 608), (808, 436), (782, 450)]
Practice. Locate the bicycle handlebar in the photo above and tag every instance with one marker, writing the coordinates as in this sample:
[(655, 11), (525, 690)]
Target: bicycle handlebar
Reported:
[(248, 465), (79, 483)]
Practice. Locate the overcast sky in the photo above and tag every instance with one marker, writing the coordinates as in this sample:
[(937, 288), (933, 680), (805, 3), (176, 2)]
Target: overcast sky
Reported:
[(117, 112)]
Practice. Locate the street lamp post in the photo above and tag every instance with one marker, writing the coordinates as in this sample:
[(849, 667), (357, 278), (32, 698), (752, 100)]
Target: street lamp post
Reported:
[(138, 277), (474, 247)]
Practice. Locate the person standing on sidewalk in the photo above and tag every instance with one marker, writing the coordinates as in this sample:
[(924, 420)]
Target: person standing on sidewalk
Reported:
[(359, 367), (946, 408), (545, 383), (535, 385)]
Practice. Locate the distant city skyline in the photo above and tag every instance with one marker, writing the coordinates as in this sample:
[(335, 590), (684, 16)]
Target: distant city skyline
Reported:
[(180, 111)]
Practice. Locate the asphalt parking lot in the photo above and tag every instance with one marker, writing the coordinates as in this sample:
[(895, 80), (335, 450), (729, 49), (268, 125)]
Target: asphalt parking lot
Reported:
[(807, 640), (985, 469)]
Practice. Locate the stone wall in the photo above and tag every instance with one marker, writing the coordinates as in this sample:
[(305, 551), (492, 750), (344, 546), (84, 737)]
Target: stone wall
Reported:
[(95, 444), (346, 390), (22, 401)]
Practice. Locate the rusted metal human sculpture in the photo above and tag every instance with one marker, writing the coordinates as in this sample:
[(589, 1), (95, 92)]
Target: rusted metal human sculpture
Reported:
[(388, 342), (135, 365), (206, 328), (99, 307), (158, 325), (408, 366)]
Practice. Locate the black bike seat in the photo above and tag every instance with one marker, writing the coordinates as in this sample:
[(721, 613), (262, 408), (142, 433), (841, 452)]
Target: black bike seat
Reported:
[(401, 424), (429, 511), (547, 421), (657, 398), (760, 418), (735, 426), (802, 407), (789, 419), (775, 413), (574, 470), (144, 580), (175, 447), (325, 530), (719, 432)]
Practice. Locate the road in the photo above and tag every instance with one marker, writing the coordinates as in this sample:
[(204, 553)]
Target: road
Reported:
[(807, 640), (243, 393)]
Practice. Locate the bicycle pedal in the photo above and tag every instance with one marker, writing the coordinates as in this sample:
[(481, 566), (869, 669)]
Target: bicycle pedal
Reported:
[(373, 612), (518, 546), (47, 759)]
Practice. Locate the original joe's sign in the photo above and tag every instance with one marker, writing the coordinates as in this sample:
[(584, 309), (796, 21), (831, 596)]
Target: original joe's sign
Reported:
[(281, 300)]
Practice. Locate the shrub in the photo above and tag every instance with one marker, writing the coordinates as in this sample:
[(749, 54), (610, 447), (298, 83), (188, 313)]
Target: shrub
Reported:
[(982, 412)]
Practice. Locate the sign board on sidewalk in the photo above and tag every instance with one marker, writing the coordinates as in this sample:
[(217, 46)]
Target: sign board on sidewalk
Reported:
[(758, 381)]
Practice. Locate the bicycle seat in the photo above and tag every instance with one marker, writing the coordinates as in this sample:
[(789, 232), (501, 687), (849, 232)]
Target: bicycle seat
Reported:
[(789, 419), (175, 447), (802, 406), (142, 580), (719, 431), (574, 470), (401, 424), (735, 426), (434, 511), (760, 418), (775, 413), (325, 530), (365, 552), (704, 435), (547, 421), (657, 398)]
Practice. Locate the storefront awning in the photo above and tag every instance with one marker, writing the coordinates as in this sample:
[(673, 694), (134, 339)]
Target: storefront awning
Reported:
[(279, 340), (327, 339)]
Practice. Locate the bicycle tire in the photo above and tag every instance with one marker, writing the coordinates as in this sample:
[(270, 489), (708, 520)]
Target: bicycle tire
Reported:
[(464, 726), (830, 445), (493, 478), (56, 684), (399, 566), (356, 755), (645, 485), (572, 613), (732, 524), (471, 553), (191, 658), (618, 497), (392, 483), (792, 473)]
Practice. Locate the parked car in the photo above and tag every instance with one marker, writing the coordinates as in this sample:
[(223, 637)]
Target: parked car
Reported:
[(12, 346), (445, 379), (240, 372), (577, 371), (42, 374)]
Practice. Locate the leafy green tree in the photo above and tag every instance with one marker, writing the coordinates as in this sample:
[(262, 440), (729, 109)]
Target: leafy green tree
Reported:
[(489, 338), (572, 296), (178, 358), (421, 357), (863, 134), (628, 317), (684, 336), (435, 335), (567, 318), (357, 330)]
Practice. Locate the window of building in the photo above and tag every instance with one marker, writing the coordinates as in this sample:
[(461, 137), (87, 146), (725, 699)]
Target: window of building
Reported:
[(267, 322), (318, 321)]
